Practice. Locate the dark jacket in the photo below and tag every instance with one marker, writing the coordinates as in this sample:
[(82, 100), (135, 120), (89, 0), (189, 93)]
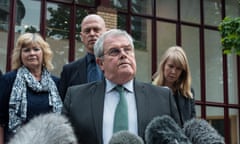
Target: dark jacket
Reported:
[(84, 106), (37, 101), (186, 107), (73, 73)]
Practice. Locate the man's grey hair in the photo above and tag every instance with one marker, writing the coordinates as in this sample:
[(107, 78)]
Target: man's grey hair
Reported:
[(49, 128), (98, 47)]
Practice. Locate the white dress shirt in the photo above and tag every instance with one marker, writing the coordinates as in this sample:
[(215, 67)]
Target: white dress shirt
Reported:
[(110, 104)]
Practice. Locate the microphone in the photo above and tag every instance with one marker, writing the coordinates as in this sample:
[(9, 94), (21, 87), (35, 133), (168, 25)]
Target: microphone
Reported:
[(164, 130), (50, 128), (125, 137), (200, 131)]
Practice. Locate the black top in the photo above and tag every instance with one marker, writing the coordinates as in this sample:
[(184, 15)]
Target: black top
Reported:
[(38, 102), (186, 106)]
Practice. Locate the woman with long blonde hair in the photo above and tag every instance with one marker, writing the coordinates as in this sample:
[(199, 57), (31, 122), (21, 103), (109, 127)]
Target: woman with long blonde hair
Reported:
[(174, 72)]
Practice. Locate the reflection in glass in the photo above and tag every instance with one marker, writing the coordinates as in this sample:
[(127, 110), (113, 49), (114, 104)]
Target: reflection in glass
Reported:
[(232, 79), (79, 47), (198, 111), (215, 116), (27, 19), (190, 43), (141, 33), (232, 8), (119, 4), (166, 9), (166, 37), (121, 22), (86, 2), (212, 12), (234, 119), (190, 11), (4, 12), (58, 17), (213, 64), (142, 6)]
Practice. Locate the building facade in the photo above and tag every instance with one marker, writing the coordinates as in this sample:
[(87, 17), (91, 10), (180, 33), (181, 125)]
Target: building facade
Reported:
[(155, 25)]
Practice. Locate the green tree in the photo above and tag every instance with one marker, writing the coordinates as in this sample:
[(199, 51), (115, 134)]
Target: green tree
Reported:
[(58, 24)]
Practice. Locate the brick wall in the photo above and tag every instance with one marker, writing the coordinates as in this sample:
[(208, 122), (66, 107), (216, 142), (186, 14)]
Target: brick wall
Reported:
[(109, 15)]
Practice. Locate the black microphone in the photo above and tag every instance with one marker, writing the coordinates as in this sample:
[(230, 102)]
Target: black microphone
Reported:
[(164, 130), (199, 131), (125, 137), (50, 128)]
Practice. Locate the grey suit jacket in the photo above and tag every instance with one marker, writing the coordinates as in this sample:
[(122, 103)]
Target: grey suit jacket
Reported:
[(84, 107)]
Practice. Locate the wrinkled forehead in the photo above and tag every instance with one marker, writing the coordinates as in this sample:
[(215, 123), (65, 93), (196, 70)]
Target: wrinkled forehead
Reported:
[(120, 40)]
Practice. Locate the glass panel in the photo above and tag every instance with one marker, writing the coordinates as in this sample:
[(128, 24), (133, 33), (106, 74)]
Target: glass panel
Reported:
[(213, 64), (119, 4), (57, 34), (86, 2), (215, 116), (4, 12), (28, 13), (141, 32), (212, 12), (198, 111), (232, 8), (166, 9), (190, 43), (190, 11), (234, 126), (121, 22), (166, 37), (79, 49), (232, 79), (142, 6)]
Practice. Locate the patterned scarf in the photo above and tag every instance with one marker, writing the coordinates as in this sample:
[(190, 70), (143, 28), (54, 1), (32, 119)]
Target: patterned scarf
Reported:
[(18, 97)]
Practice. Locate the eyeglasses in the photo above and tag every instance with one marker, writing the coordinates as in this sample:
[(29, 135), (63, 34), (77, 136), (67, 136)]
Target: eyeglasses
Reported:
[(118, 51)]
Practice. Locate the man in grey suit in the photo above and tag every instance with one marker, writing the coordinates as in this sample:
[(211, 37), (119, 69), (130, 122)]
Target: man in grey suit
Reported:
[(91, 107)]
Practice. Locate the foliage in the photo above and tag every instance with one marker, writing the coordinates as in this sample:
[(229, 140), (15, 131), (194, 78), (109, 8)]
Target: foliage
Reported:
[(230, 35), (58, 24), (31, 29)]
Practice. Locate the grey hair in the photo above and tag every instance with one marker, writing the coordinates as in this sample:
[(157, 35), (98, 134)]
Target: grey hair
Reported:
[(98, 47)]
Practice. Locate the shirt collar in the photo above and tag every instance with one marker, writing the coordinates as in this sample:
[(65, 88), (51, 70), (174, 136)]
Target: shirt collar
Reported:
[(90, 57), (110, 86)]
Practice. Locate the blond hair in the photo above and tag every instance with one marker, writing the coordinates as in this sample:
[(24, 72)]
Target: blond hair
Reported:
[(30, 38), (179, 57)]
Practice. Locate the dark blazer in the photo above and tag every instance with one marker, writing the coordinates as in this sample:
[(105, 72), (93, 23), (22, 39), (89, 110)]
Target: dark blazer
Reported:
[(186, 107), (73, 73), (84, 107)]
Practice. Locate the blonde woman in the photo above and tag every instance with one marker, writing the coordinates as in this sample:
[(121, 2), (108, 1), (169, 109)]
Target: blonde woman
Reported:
[(29, 89), (174, 72)]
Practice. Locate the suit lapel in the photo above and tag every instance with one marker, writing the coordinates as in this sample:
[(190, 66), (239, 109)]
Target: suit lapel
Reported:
[(82, 71), (142, 108), (97, 103)]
